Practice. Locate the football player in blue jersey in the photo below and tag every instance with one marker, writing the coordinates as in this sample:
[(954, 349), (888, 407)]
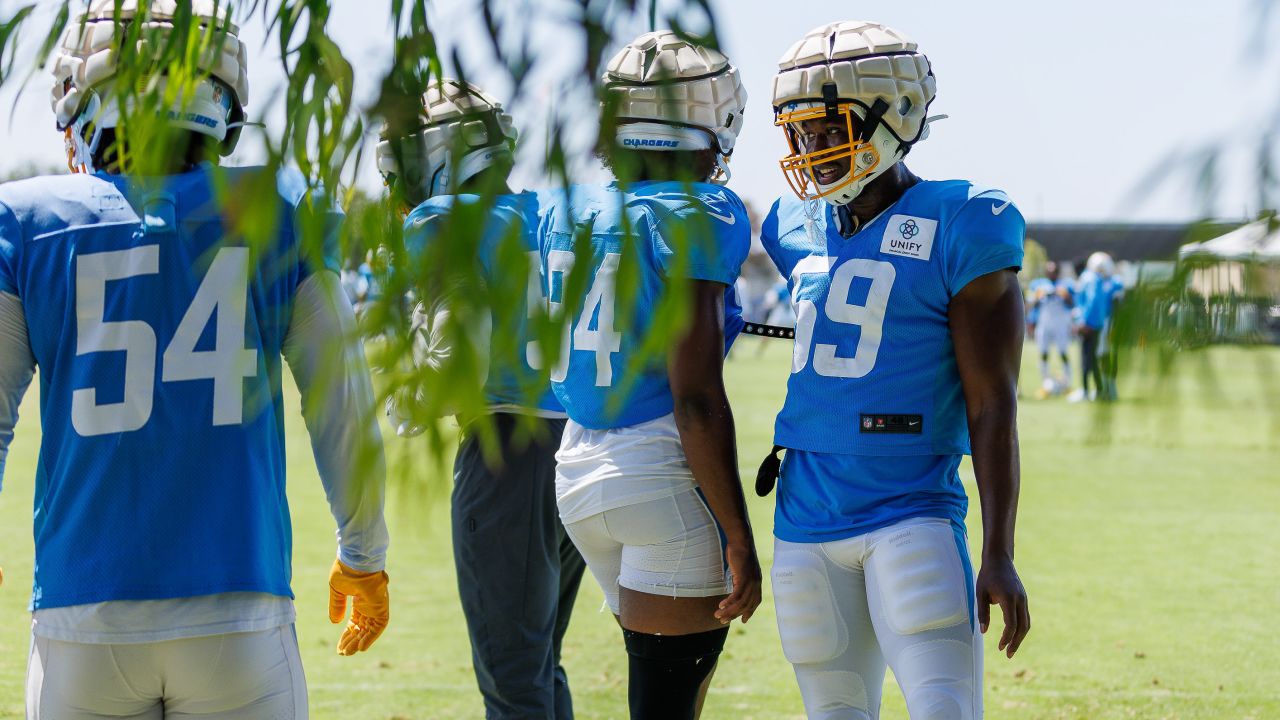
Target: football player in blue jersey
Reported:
[(1049, 318), (647, 480), (1097, 293), (908, 337), (162, 532), (518, 573)]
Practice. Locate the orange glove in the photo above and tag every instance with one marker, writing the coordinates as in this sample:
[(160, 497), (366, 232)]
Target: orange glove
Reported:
[(371, 606)]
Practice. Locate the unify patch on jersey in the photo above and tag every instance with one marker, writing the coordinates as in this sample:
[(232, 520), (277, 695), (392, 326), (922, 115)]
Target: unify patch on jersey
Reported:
[(891, 424), (909, 236)]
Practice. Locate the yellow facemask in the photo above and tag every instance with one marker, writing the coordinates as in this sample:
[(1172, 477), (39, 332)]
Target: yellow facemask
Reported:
[(800, 167)]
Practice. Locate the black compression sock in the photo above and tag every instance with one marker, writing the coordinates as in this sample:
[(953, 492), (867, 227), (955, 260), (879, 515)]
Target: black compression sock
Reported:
[(666, 672)]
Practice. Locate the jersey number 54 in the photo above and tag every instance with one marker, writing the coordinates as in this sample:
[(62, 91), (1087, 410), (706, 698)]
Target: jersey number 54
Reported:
[(224, 289)]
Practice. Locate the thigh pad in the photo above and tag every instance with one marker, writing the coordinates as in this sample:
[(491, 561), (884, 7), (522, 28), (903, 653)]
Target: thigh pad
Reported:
[(809, 624), (920, 576)]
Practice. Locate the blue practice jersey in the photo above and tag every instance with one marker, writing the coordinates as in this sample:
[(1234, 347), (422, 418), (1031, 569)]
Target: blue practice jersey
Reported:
[(511, 232), (1096, 299), (157, 329), (1049, 298), (733, 320), (874, 406), (663, 231)]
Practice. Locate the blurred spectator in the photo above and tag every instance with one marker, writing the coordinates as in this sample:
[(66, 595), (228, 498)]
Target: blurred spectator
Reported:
[(354, 284), (777, 306), (755, 284)]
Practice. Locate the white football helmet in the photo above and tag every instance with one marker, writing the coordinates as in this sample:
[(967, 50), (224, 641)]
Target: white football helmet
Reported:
[(865, 75), (1101, 264), (84, 65), (670, 94), (463, 131)]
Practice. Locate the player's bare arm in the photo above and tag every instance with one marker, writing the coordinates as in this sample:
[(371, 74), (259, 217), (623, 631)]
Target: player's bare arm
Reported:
[(986, 319), (705, 422)]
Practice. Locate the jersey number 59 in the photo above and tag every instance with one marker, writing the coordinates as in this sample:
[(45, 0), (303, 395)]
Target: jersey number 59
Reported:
[(224, 289), (869, 316)]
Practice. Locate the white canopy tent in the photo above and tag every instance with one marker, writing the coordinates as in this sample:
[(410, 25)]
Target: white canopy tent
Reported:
[(1257, 241), (1239, 274)]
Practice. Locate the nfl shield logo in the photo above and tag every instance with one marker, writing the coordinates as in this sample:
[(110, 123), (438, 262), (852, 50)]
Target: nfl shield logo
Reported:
[(866, 423)]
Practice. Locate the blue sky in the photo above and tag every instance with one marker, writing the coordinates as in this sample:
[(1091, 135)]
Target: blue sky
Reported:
[(1072, 108)]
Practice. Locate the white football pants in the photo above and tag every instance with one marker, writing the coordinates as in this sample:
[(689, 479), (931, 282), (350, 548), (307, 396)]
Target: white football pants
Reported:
[(240, 676), (1053, 334), (902, 595), (669, 547)]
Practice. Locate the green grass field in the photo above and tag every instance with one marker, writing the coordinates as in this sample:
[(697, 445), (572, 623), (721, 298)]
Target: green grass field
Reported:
[(1148, 541)]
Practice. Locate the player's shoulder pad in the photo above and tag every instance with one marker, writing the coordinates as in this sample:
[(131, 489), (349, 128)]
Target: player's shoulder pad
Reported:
[(667, 199), (51, 203), (292, 186), (428, 212), (290, 182), (786, 215), (509, 209), (995, 202), (502, 211), (962, 206), (564, 208)]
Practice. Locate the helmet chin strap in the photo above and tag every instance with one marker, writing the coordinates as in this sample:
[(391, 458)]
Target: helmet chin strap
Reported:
[(812, 208), (890, 151), (721, 175), (477, 161), (80, 150), (846, 221), (448, 178), (872, 121), (440, 181)]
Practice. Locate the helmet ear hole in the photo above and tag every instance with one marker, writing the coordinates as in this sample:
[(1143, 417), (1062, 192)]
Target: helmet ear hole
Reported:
[(904, 105), (235, 123)]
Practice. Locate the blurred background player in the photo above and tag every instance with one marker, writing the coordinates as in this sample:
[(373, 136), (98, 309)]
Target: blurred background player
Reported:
[(518, 573), (1050, 320), (908, 340), (647, 480), (1096, 295), (162, 532)]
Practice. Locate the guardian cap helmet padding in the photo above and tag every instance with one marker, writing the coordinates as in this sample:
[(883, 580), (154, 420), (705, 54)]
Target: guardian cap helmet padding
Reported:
[(462, 132), (869, 77), (85, 64), (668, 94)]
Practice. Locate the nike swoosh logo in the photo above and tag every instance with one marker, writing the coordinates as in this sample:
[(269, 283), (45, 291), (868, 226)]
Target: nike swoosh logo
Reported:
[(726, 219), (913, 423), (997, 209), (419, 222)]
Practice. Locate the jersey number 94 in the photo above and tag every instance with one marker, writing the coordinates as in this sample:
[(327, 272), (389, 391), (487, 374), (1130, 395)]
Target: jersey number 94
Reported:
[(600, 303)]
